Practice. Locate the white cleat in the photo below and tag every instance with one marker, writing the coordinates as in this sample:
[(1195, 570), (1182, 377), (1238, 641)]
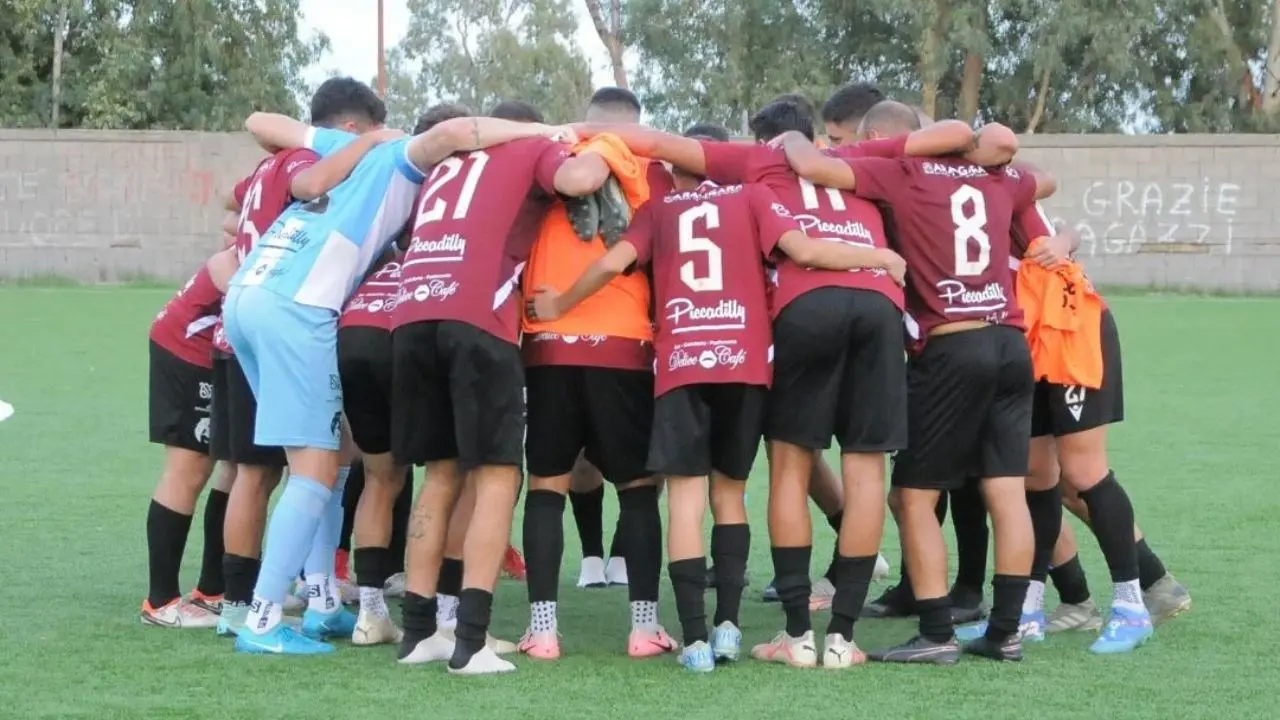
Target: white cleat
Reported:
[(497, 645), (485, 662), (794, 651), (178, 614), (437, 648), (349, 592), (839, 654), (592, 574), (616, 571), (1082, 617), (374, 629), (821, 594), (881, 573), (395, 586)]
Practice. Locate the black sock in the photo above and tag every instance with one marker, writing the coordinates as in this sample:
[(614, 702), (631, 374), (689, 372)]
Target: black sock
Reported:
[(1069, 579), (215, 512), (940, 510), (475, 608), (969, 520), (350, 499), (1150, 569), (418, 615), (1046, 523), (372, 566), (689, 581), (588, 515), (853, 578), (1007, 594), (730, 546), (834, 521), (450, 582), (166, 541), (641, 526), (400, 524), (618, 546), (935, 619), (543, 544), (1111, 519), (240, 575), (791, 573)]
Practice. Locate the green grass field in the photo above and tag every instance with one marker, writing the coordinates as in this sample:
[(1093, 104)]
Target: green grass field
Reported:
[(77, 473)]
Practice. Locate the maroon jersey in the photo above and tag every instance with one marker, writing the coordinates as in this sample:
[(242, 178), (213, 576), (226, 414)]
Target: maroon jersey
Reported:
[(478, 215), (184, 326), (707, 250), (953, 222), (824, 213), (374, 300), (263, 195)]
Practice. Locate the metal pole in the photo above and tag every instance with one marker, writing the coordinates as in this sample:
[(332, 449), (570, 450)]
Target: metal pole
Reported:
[(382, 55)]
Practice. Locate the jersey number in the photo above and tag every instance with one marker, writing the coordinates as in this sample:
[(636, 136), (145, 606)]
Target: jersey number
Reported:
[(252, 204), (432, 208), (969, 215), (690, 242), (809, 195)]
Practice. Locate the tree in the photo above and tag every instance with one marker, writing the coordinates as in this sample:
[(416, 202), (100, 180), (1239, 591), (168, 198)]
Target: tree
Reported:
[(606, 16)]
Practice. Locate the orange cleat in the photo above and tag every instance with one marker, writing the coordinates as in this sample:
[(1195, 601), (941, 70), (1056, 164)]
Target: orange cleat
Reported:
[(513, 564)]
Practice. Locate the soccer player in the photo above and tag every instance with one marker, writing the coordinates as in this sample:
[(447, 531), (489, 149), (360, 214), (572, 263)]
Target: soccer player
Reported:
[(842, 113), (589, 378), (969, 375), (706, 246)]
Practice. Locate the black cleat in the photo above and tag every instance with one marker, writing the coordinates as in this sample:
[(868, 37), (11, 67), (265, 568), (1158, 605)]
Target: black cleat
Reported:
[(615, 211), (770, 594), (584, 216), (966, 605), (1008, 651), (920, 651), (895, 602)]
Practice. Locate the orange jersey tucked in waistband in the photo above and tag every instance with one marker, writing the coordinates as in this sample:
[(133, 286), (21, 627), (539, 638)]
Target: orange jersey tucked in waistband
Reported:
[(620, 311), (1063, 315)]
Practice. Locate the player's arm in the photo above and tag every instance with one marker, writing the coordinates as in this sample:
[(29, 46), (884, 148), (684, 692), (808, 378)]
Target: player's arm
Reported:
[(546, 304), (833, 255), (993, 145), (1032, 224), (1046, 184), (275, 132), (473, 133), (812, 164), (222, 266), (230, 226), (685, 153), (944, 137), (318, 178), (581, 174)]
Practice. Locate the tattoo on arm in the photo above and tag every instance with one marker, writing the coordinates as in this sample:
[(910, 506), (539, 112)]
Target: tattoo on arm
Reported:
[(475, 132)]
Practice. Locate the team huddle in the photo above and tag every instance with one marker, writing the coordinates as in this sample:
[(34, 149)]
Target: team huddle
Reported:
[(507, 303)]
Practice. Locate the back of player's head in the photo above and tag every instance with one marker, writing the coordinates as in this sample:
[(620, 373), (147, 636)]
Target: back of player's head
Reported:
[(888, 119), (437, 114), (707, 131), (844, 110), (347, 104), (924, 117), (516, 111), (614, 104), (781, 115)]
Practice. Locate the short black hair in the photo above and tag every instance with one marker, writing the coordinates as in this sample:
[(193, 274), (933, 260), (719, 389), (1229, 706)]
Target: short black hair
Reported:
[(890, 118), (437, 114), (616, 96), (851, 102), (707, 131), (345, 96), (782, 115), (516, 111), (798, 99)]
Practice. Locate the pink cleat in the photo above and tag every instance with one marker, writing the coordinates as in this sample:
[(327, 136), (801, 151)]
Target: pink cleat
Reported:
[(540, 646), (650, 643)]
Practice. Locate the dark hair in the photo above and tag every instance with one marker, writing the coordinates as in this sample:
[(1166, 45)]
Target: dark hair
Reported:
[(707, 131), (851, 102), (890, 118), (616, 96), (782, 115), (516, 111), (345, 96), (437, 114), (798, 99)]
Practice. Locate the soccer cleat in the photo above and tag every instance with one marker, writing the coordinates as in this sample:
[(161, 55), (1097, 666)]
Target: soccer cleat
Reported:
[(340, 623), (821, 595), (881, 573), (615, 211), (584, 216), (698, 658), (615, 572), (540, 646), (296, 601), (513, 564), (342, 564), (895, 602), (1008, 651), (1166, 599), (1030, 629), (770, 593), (1082, 616), (178, 614), (798, 652), (592, 573), (1124, 632), (919, 651), (232, 619), (838, 653), (283, 639), (212, 603), (348, 592), (966, 605), (726, 642), (437, 648), (498, 645), (650, 643), (485, 662), (374, 629), (394, 587)]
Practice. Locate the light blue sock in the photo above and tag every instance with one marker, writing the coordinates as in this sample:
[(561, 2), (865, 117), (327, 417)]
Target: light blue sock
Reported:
[(289, 534), (328, 533)]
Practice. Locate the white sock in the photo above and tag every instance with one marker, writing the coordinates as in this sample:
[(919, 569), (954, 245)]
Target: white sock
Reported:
[(1128, 595), (372, 601), (322, 593), (644, 615), (263, 616), (446, 611), (543, 617), (1034, 601)]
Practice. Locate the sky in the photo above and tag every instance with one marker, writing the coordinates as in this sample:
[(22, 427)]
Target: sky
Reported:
[(352, 27)]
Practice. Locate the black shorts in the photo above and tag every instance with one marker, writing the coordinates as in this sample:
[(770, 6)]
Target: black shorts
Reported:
[(839, 370), (969, 409), (234, 418), (701, 428), (457, 394), (179, 395), (364, 364), (1065, 409), (604, 413)]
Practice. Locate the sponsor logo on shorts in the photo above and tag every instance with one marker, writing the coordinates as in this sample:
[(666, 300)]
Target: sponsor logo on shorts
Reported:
[(1074, 397), (201, 431), (206, 391)]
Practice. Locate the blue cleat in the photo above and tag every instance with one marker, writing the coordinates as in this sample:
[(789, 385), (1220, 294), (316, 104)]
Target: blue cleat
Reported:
[(325, 626), (1030, 629), (1124, 632), (698, 657), (726, 642), (282, 639)]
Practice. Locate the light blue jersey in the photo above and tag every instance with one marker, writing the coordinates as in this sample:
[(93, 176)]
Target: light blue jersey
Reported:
[(316, 253)]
